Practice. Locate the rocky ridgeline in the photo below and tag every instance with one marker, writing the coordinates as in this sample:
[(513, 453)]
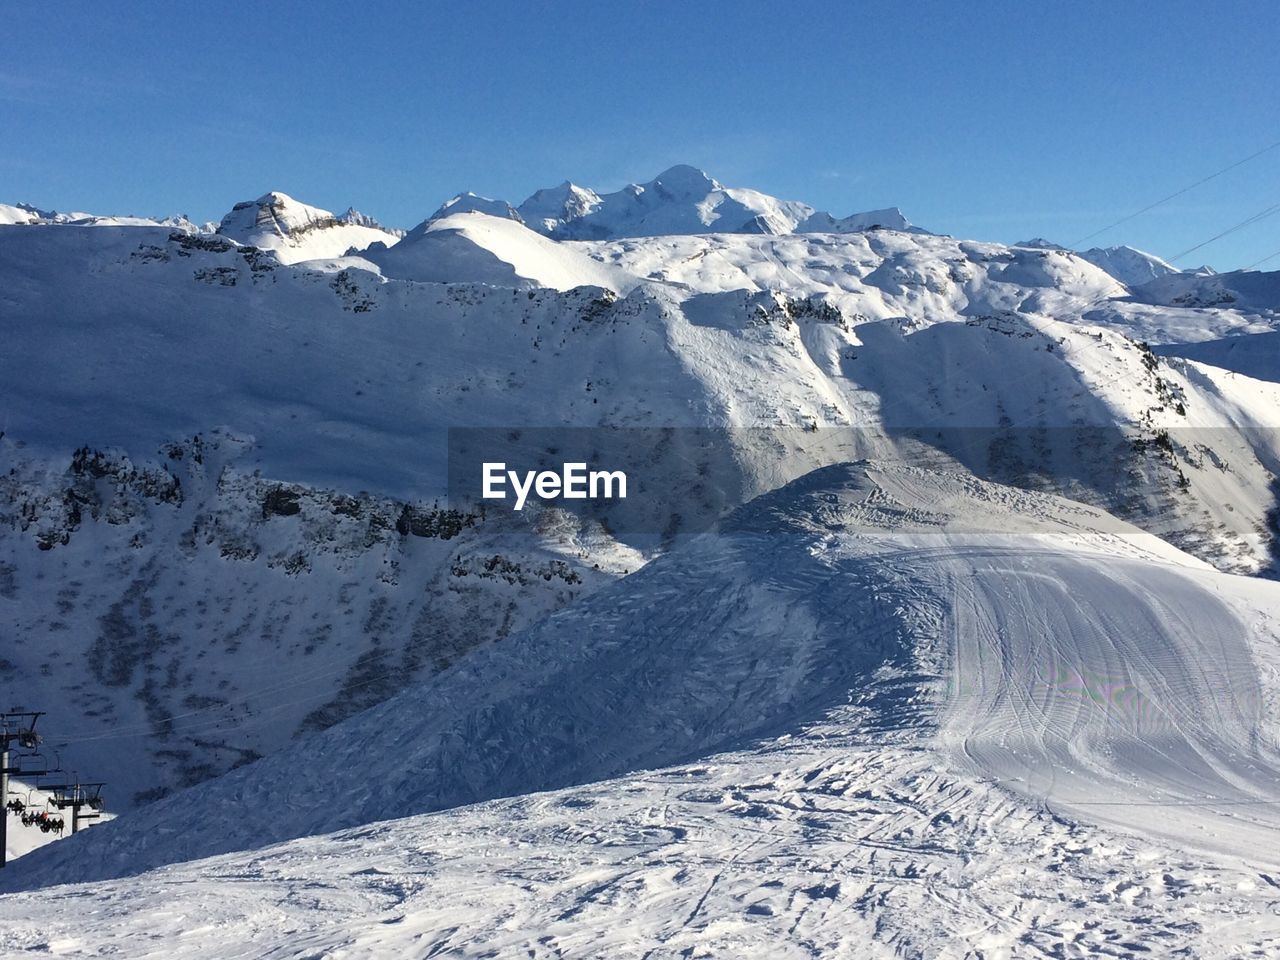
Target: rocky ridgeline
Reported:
[(168, 573)]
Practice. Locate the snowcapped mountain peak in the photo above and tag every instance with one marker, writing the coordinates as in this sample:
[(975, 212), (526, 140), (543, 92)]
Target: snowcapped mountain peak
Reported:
[(273, 212), (469, 202), (355, 218), (548, 208), (296, 231), (889, 218), (681, 200), (683, 182), (685, 200), (1040, 243), (1130, 266)]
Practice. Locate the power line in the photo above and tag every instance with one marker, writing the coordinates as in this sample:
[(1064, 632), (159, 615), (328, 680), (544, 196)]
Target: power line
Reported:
[(1258, 263), (1261, 215), (1177, 193)]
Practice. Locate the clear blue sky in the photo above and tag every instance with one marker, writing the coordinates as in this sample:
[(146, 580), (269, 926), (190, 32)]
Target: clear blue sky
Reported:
[(993, 120)]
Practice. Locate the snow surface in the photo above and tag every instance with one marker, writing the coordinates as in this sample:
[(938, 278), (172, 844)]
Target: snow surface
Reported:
[(1254, 355), (474, 247), (1130, 266), (855, 722), (1252, 290)]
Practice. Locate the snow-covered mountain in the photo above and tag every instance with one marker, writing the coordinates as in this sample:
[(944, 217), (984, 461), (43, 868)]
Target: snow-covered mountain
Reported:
[(876, 678), (294, 231), (681, 200), (547, 209), (1255, 355), (1130, 266), (26, 214), (1253, 291), (471, 203), (499, 251), (339, 378), (233, 558)]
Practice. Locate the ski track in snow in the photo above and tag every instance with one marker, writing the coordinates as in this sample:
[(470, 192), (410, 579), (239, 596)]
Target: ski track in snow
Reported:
[(815, 846), (1071, 754), (1114, 694)]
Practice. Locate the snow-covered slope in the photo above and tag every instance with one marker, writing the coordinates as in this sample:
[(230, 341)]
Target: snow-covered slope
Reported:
[(1023, 643), (1130, 266), (1256, 355), (181, 617), (470, 203), (907, 697), (26, 214), (817, 844), (294, 231), (473, 247), (1250, 290)]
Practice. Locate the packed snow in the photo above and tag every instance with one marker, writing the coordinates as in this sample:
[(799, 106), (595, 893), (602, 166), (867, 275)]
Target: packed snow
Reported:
[(860, 720)]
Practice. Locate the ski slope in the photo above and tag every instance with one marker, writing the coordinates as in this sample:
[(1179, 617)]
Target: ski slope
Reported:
[(767, 627), (883, 712)]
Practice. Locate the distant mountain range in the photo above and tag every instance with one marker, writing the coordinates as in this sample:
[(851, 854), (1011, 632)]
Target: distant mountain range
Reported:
[(682, 200)]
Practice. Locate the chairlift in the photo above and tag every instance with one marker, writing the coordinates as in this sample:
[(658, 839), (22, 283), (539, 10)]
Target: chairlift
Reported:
[(40, 769)]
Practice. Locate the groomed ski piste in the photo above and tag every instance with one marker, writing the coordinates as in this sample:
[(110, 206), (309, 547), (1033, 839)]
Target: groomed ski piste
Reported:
[(881, 712)]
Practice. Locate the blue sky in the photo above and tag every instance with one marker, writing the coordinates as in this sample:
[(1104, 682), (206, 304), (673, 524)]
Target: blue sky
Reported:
[(997, 121)]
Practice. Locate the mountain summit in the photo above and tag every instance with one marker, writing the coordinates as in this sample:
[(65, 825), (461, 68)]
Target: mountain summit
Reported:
[(682, 200), (296, 231)]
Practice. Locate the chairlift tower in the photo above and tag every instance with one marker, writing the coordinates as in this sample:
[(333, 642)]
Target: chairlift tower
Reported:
[(17, 727)]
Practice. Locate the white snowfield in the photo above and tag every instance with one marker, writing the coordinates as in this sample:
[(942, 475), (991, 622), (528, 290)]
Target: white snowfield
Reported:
[(884, 712), (500, 252)]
